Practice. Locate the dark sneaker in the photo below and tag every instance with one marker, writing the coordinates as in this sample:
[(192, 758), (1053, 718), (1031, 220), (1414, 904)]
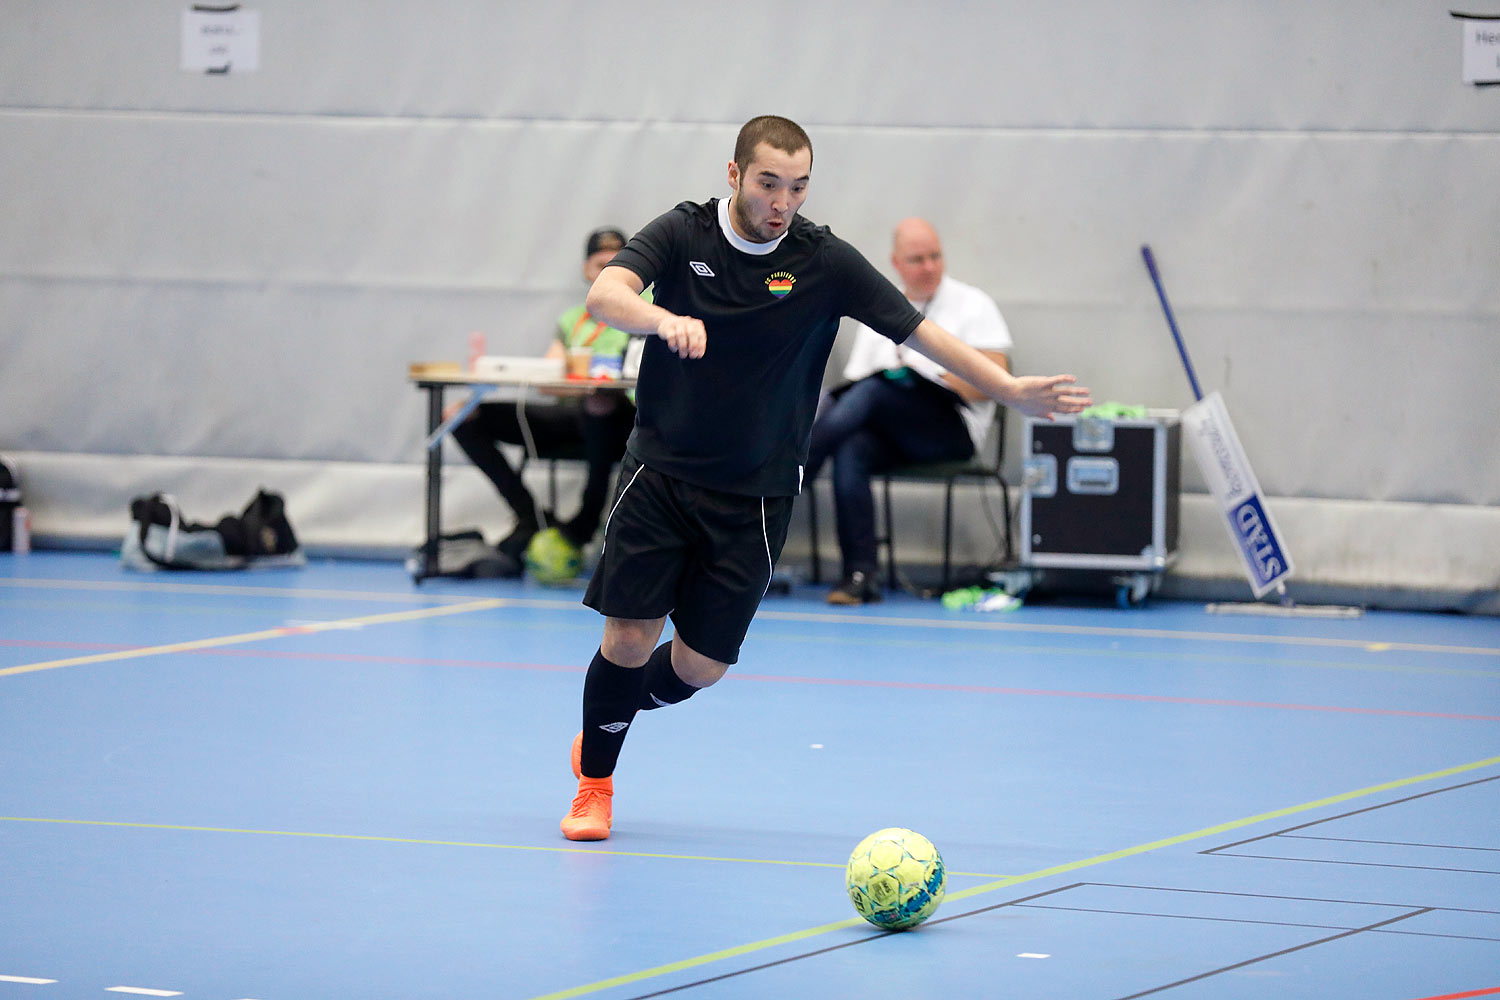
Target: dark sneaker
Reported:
[(496, 566), (514, 544), (858, 588)]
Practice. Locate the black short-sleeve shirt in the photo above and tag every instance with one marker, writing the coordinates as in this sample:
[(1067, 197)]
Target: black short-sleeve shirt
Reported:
[(738, 418)]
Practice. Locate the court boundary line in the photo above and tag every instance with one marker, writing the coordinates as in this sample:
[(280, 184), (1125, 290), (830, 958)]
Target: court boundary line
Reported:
[(1352, 812), (1368, 928), (423, 842), (1185, 916), (1029, 902), (1125, 696), (1281, 895), (956, 624), (941, 688), (874, 936), (1155, 845), (1044, 628), (227, 589), (1359, 864), (1392, 843), (279, 632), (1039, 646)]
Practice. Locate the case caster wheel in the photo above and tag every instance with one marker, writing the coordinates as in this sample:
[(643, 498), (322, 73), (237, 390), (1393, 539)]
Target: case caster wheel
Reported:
[(1016, 582), (1131, 592)]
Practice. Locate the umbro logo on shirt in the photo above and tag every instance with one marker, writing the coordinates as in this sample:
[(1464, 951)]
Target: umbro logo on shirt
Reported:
[(701, 269)]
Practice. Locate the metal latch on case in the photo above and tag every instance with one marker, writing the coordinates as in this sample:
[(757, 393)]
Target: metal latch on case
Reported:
[(1093, 476), (1094, 434), (1040, 473)]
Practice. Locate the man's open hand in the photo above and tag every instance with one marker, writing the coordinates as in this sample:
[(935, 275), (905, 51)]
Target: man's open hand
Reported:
[(1044, 395)]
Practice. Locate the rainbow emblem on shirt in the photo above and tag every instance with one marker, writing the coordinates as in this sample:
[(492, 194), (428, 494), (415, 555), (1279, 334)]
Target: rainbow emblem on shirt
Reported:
[(780, 283)]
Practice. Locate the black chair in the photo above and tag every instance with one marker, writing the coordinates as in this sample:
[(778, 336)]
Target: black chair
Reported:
[(983, 467), (552, 456)]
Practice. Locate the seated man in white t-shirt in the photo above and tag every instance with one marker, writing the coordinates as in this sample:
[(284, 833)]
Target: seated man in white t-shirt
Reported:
[(901, 407)]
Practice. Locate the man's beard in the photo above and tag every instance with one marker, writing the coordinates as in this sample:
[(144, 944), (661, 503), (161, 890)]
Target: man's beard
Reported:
[(753, 231)]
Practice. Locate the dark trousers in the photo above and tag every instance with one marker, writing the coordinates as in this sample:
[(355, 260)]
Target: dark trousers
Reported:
[(876, 424), (557, 431)]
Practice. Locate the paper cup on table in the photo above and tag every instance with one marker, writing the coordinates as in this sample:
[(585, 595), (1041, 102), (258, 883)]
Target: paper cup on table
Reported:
[(578, 362)]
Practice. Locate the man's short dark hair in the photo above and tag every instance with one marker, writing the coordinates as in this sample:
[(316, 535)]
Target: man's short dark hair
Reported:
[(776, 132)]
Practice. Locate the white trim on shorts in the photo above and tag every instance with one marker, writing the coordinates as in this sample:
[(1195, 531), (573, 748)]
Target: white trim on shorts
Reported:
[(765, 536), (621, 499)]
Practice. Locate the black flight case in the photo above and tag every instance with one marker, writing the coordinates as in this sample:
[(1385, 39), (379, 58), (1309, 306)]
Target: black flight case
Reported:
[(1100, 500)]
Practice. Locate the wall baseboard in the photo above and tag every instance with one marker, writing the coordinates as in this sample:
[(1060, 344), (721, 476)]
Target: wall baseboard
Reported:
[(1373, 554)]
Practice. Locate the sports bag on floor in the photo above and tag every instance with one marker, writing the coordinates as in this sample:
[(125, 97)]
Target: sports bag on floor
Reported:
[(159, 536)]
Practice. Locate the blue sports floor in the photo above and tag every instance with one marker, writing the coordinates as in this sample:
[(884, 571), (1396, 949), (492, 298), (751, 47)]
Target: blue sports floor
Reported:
[(327, 783)]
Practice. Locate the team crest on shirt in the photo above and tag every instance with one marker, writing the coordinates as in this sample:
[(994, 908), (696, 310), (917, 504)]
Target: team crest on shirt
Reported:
[(780, 283)]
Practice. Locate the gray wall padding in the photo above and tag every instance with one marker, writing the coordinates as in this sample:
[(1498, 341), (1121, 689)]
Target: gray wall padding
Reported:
[(212, 283)]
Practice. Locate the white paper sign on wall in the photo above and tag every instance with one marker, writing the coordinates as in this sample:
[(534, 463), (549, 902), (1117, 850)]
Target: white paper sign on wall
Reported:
[(220, 40), (1481, 50)]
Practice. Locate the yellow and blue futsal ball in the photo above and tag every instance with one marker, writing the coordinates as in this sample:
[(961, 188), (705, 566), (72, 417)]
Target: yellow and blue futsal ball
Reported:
[(895, 878), (551, 558)]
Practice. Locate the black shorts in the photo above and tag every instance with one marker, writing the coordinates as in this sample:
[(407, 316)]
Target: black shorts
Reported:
[(702, 556)]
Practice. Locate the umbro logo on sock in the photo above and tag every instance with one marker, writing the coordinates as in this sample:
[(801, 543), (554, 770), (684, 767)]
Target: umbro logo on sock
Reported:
[(615, 727)]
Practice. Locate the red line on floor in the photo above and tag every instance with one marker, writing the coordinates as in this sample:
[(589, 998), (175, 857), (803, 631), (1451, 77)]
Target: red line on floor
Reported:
[(834, 681), (1461, 996), (274, 654), (1111, 696), (405, 661), (908, 685)]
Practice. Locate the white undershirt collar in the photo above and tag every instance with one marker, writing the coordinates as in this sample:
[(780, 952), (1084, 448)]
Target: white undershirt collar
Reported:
[(739, 242)]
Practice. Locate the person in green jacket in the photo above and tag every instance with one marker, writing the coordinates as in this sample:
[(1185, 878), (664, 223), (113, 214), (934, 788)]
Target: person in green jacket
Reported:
[(598, 421)]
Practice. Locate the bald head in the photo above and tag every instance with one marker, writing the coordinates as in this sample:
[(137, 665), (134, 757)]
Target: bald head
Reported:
[(913, 229), (917, 256)]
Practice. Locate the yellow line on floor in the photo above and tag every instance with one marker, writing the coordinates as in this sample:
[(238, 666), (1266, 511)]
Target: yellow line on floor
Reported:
[(444, 843), (1213, 831), (745, 949), (263, 634)]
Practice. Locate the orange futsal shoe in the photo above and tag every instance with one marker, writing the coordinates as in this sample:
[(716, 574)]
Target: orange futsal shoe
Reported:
[(578, 755), (590, 818)]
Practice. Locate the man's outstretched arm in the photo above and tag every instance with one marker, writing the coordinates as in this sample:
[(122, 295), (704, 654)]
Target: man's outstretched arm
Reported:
[(1033, 395)]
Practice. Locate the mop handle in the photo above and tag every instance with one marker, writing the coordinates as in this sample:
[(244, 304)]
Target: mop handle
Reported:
[(1166, 307)]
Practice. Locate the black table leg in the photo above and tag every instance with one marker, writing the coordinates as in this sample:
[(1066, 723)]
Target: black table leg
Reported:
[(429, 563)]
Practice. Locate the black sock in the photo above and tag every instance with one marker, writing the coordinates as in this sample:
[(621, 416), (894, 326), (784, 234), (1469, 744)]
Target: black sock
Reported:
[(610, 696), (663, 686)]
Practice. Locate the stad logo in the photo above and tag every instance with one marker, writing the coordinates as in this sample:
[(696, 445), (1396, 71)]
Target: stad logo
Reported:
[(780, 283)]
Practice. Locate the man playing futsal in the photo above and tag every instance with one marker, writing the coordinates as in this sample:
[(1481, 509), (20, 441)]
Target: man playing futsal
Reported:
[(748, 298)]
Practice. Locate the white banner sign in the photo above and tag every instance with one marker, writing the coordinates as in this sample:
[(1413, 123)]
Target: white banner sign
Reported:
[(1230, 479), (220, 41), (1481, 50)]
